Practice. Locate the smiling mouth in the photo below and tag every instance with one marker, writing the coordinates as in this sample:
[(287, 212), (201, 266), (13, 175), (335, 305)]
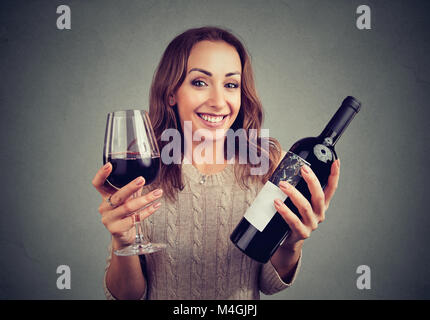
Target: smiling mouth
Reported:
[(212, 118)]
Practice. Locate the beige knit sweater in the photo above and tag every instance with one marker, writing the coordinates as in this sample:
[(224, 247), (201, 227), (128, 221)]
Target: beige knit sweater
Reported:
[(200, 261)]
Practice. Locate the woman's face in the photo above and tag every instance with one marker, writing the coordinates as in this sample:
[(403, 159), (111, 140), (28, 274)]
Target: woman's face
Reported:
[(210, 95)]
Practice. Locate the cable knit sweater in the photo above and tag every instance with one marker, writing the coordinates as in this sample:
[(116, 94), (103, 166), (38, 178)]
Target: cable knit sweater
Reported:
[(200, 261)]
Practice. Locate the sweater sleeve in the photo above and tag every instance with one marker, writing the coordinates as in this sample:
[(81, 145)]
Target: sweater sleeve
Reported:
[(270, 282), (108, 294)]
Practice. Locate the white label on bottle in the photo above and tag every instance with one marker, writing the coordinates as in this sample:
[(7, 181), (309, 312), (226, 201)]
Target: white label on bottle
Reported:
[(263, 209)]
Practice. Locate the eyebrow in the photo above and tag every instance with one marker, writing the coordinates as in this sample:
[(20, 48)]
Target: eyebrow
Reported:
[(210, 74)]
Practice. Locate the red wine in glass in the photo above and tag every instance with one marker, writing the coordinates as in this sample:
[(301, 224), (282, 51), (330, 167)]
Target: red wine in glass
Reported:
[(131, 147), (128, 166)]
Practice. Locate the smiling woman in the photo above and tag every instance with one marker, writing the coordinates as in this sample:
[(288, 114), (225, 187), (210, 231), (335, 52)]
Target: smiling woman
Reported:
[(206, 74), (204, 81)]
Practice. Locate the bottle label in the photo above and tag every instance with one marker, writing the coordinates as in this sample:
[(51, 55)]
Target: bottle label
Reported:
[(323, 153), (328, 141), (262, 209)]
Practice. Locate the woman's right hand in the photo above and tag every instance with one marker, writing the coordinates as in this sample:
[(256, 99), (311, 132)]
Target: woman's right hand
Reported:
[(117, 216)]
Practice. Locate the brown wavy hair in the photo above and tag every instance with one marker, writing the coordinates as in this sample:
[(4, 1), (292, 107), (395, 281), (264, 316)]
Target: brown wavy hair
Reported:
[(167, 79)]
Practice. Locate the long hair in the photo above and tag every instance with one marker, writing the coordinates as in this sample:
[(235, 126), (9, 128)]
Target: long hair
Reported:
[(170, 75)]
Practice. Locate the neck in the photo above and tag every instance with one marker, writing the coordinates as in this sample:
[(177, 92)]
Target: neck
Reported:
[(207, 157)]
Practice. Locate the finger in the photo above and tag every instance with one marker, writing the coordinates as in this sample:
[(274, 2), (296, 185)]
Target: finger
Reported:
[(292, 220), (301, 203), (149, 210), (133, 205), (100, 179), (317, 193), (125, 224), (332, 183), (107, 206), (120, 196)]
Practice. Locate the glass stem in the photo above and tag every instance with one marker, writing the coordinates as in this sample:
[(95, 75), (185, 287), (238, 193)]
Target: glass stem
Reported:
[(138, 225), (139, 236)]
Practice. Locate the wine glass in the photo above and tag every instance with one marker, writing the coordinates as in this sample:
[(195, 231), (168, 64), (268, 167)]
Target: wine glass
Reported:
[(130, 146)]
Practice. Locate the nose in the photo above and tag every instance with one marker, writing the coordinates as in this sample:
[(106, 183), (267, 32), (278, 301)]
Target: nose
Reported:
[(218, 99)]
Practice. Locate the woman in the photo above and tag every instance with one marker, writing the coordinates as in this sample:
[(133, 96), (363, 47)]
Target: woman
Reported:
[(204, 83)]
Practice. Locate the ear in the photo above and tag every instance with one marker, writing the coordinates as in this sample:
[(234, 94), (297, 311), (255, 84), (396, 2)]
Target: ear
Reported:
[(172, 100)]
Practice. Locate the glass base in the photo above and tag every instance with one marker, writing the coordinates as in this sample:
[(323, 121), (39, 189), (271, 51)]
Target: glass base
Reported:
[(140, 248)]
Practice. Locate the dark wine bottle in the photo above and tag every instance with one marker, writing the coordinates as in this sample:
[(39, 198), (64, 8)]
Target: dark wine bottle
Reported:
[(262, 229)]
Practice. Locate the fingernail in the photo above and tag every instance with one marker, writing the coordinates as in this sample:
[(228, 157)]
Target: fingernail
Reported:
[(140, 181), (284, 184), (157, 205), (338, 163), (305, 168), (158, 192), (106, 166), (278, 202)]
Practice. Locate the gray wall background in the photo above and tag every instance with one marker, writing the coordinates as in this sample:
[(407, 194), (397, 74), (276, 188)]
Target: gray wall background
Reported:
[(56, 88)]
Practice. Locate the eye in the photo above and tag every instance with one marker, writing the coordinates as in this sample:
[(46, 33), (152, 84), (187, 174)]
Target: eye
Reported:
[(198, 83), (232, 85)]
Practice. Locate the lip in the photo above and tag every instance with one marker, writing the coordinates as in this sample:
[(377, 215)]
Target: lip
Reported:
[(213, 114), (211, 124)]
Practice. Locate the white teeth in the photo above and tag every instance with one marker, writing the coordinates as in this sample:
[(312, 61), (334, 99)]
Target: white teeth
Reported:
[(210, 119)]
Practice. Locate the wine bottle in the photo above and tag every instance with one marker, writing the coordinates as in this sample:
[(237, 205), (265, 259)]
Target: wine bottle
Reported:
[(262, 229)]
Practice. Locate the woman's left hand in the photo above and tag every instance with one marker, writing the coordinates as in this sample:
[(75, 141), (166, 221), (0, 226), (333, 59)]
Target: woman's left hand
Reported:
[(312, 213)]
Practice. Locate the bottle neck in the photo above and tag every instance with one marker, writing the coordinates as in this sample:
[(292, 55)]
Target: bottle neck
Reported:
[(340, 121)]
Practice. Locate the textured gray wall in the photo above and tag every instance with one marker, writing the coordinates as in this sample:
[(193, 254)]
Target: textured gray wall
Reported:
[(57, 86)]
